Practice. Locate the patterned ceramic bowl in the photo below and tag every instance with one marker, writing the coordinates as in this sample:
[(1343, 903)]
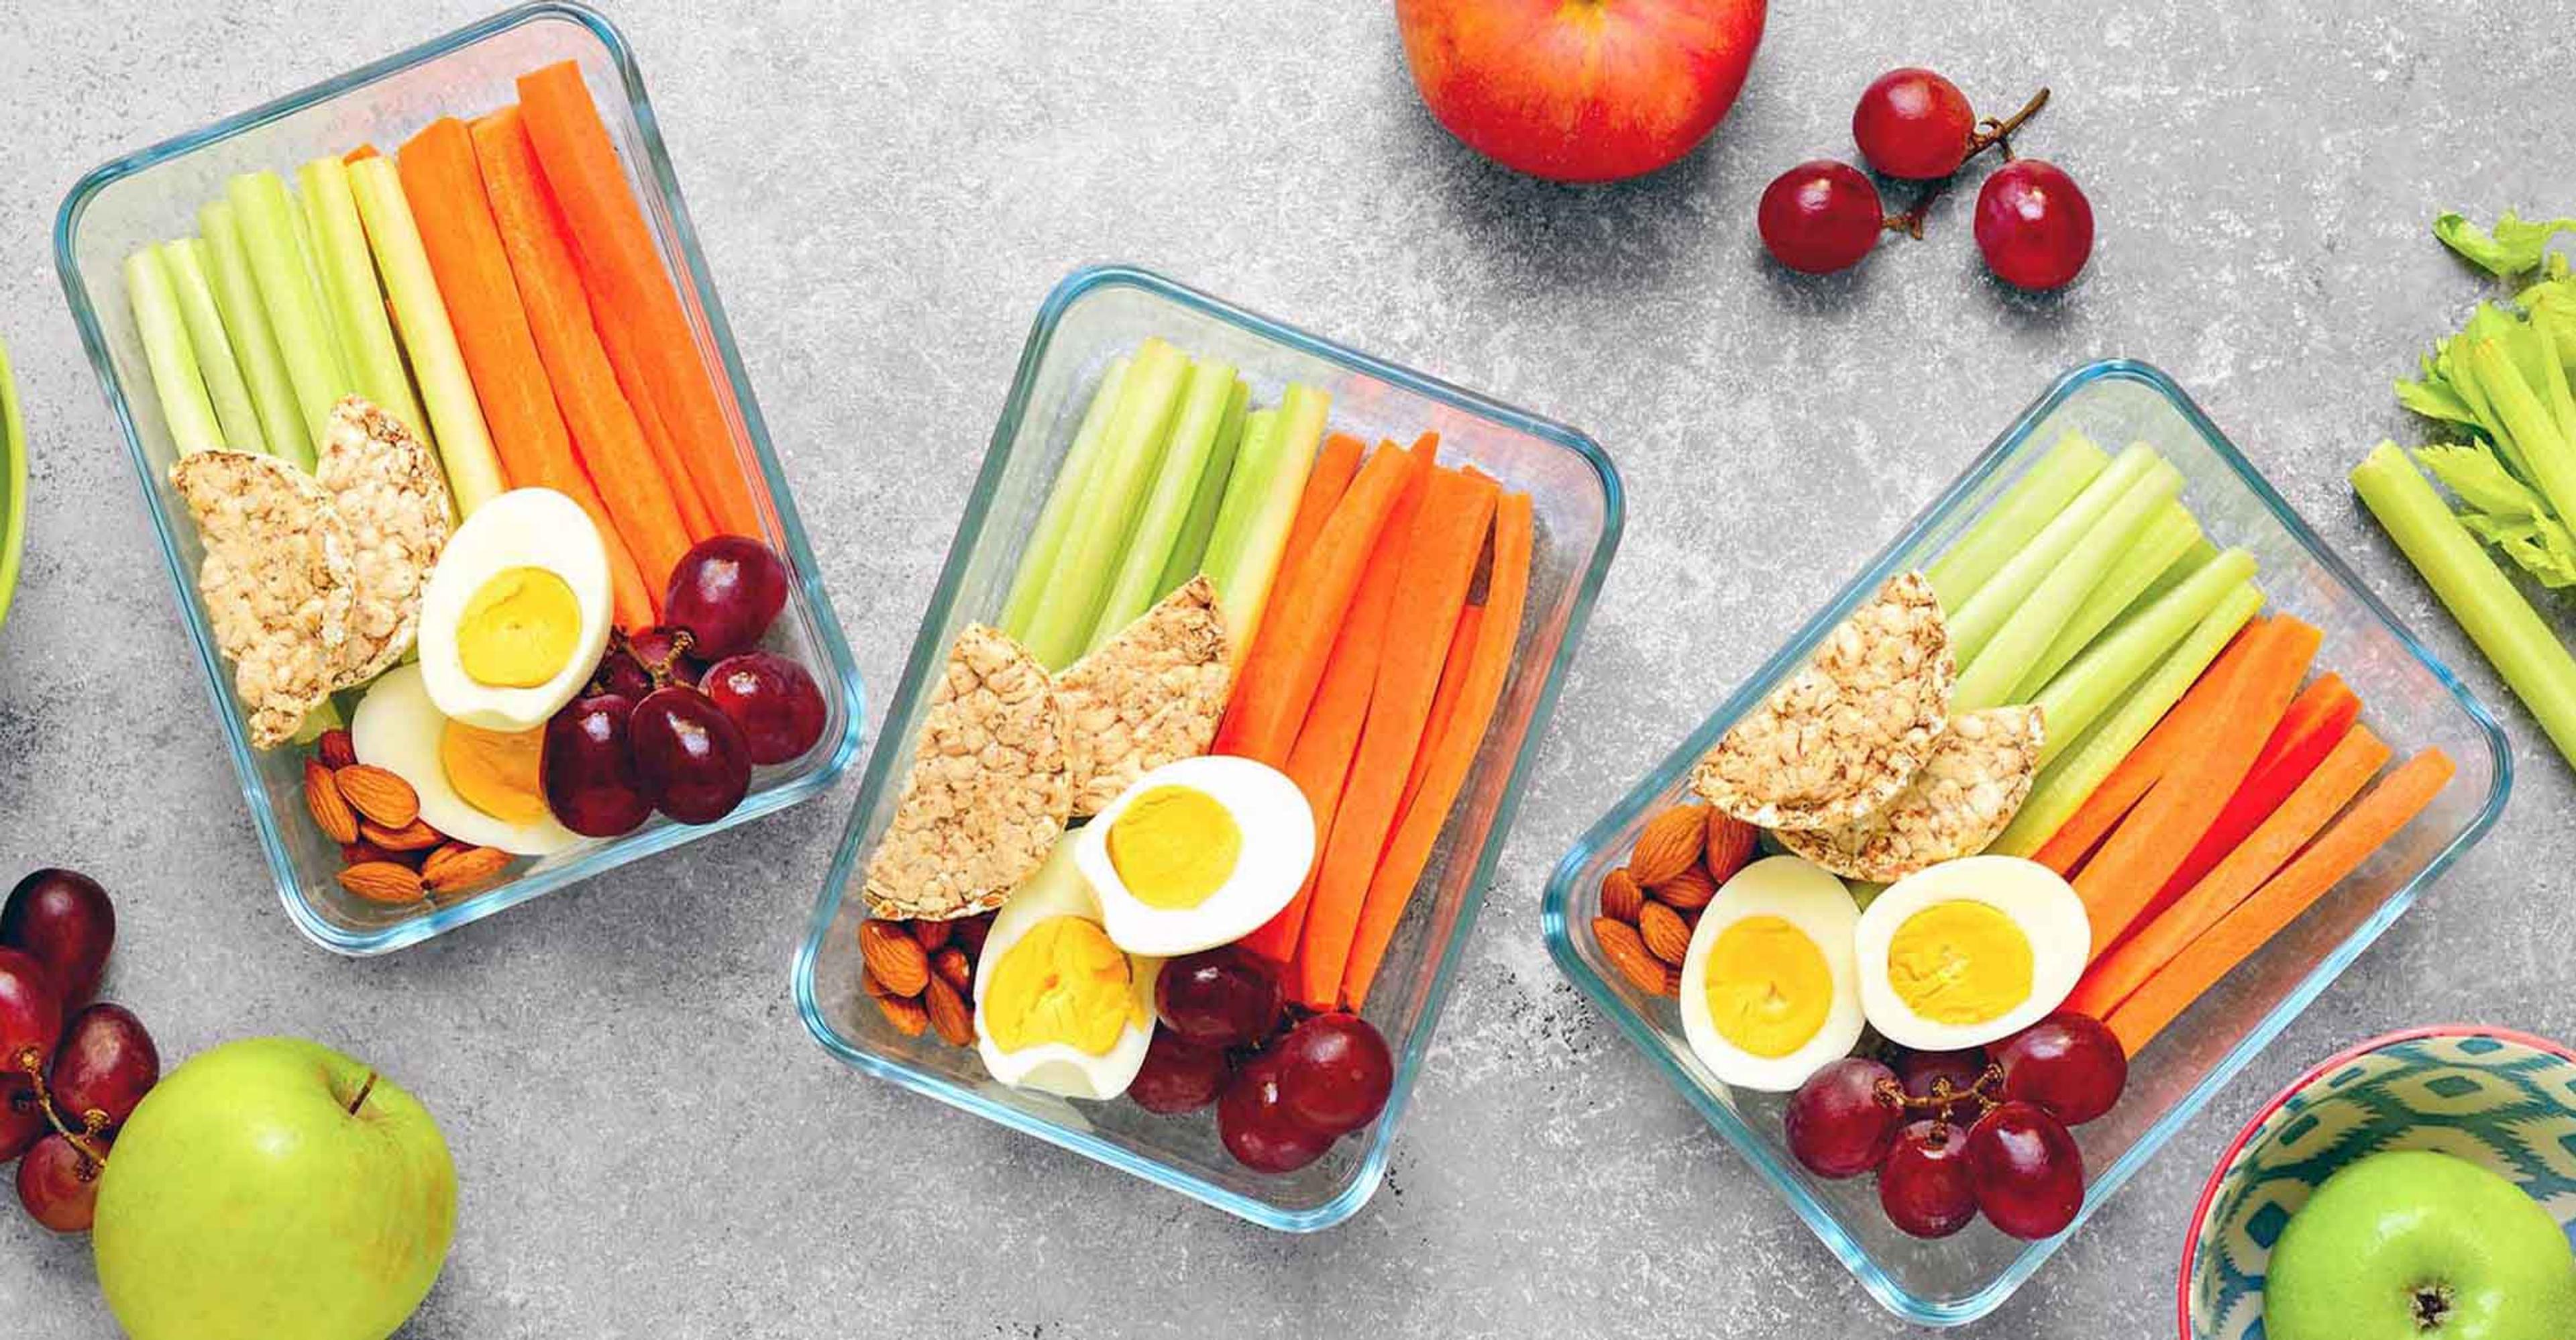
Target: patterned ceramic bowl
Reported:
[(2499, 1098)]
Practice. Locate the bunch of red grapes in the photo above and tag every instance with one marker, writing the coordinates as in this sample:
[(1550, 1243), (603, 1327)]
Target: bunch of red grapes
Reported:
[(71, 1071), (1284, 1091), (1953, 1135), (678, 714), (2034, 226)]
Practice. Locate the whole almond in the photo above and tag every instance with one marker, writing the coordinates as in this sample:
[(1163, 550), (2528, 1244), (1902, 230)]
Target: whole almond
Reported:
[(378, 794), (1664, 935), (336, 749), (908, 1016), (948, 1013), (929, 934), (868, 982), (1620, 895), (1669, 844), (1626, 952), (894, 956), (953, 968), (1688, 891), (1731, 844), (331, 814), (359, 853), (456, 867), (383, 882), (413, 836)]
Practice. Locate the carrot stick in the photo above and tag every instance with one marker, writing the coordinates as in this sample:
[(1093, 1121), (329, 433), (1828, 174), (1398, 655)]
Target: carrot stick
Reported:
[(2120, 883), (1277, 683), (618, 340), (604, 431), (1325, 484), (1453, 751), (2316, 722), (360, 154), (2136, 775), (2320, 796), (617, 247), (1444, 702), (473, 271), (2369, 825), (1438, 567)]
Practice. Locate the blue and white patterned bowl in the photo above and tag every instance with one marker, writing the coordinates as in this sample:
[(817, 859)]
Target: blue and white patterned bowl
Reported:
[(2501, 1099)]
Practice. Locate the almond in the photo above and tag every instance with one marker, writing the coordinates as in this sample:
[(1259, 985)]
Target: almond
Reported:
[(1620, 895), (378, 794), (1662, 930), (930, 934), (953, 968), (413, 836), (331, 814), (1732, 845), (383, 882), (1669, 844), (948, 1013), (336, 749), (1628, 953), (908, 1016), (359, 853), (1688, 891), (868, 982), (894, 956), (456, 867)]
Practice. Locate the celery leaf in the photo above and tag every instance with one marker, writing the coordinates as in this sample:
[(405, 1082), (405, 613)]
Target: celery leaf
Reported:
[(2515, 246)]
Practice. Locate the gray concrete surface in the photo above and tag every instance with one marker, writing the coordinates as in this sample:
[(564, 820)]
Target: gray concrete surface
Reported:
[(649, 1142)]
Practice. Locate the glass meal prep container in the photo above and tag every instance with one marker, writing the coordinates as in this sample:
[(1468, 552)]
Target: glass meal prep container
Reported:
[(1095, 316), (153, 195), (2409, 697)]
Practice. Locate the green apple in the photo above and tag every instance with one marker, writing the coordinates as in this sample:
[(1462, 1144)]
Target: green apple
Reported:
[(273, 1189), (2413, 1245)]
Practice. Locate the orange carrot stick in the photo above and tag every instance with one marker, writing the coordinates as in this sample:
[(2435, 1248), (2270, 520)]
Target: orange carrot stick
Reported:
[(618, 340), (1444, 702), (360, 154), (2369, 825), (616, 245), (2136, 775), (1453, 751), (2316, 722), (1326, 482), (445, 189)]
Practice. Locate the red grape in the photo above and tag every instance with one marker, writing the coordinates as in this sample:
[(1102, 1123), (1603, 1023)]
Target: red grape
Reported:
[(1179, 1075), (589, 770), (1838, 1124), (1925, 1186), (1257, 1128), (22, 1119), (1334, 1072), (1820, 217), (621, 674), (67, 923), (2034, 225), (59, 1184), (2069, 1064), (1920, 1072), (774, 701), (673, 652), (1913, 123), (104, 1067), (2028, 1172), (690, 756), (1222, 997), (726, 591), (31, 1012)]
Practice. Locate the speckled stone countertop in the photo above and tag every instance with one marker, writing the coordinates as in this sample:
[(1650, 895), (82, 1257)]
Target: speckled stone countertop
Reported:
[(649, 1142)]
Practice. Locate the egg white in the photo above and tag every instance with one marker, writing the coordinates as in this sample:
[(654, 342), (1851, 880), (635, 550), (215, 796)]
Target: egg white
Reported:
[(1811, 899), (1278, 848), (397, 728), (1058, 890), (524, 528), (2039, 901)]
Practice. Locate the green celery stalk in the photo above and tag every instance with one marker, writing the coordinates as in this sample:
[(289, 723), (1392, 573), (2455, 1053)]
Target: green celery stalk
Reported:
[(393, 236), (1063, 504), (2554, 389), (2037, 497), (348, 273), (2063, 787), (1261, 537), (2534, 663), (2169, 535), (270, 228), (180, 387), (1138, 429), (2089, 684), (2544, 451), (2193, 560), (1189, 553), (307, 228), (1255, 462), (184, 259), (272, 394), (1985, 613), (1167, 503), (2027, 633)]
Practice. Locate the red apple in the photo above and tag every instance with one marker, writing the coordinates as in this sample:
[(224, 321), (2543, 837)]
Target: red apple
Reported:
[(1580, 90)]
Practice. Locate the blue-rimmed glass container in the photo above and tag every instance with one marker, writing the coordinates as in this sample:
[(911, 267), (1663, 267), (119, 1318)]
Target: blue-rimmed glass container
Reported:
[(153, 195), (1093, 317), (2412, 700)]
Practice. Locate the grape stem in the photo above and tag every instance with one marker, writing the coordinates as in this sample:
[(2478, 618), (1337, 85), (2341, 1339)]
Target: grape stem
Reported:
[(1990, 133), (91, 1124)]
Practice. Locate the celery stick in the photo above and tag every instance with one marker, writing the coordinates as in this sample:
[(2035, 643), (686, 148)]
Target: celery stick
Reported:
[(2094, 680), (2027, 633), (464, 443), (1063, 504), (2534, 663), (184, 259), (2193, 560), (1243, 591), (1138, 428), (349, 278), (2039, 495), (181, 389), (2545, 453), (2062, 788), (269, 229), (307, 228), (1984, 614), (2168, 536), (272, 395), (1255, 461), (1167, 503), (1189, 553)]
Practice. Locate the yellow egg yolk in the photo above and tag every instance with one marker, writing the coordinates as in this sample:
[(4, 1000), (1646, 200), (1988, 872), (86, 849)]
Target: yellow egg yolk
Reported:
[(1174, 846), (496, 771), (1062, 981), (1960, 962), (1769, 987), (519, 630)]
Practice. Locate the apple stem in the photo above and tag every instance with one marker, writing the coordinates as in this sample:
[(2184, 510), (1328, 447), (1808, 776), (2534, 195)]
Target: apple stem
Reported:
[(363, 1090)]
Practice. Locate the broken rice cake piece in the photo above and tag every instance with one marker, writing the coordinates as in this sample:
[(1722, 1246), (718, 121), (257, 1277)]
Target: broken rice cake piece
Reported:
[(1149, 695), (388, 486), (277, 582), (1963, 797)]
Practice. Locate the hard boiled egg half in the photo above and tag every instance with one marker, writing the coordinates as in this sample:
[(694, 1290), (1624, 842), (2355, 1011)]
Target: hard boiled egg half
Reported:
[(1058, 1007), (1769, 992), (1197, 853), (475, 785), (517, 612), (1970, 951)]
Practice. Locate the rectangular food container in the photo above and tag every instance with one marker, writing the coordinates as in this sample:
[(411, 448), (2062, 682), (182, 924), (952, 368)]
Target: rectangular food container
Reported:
[(1093, 317), (153, 195), (2412, 700)]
